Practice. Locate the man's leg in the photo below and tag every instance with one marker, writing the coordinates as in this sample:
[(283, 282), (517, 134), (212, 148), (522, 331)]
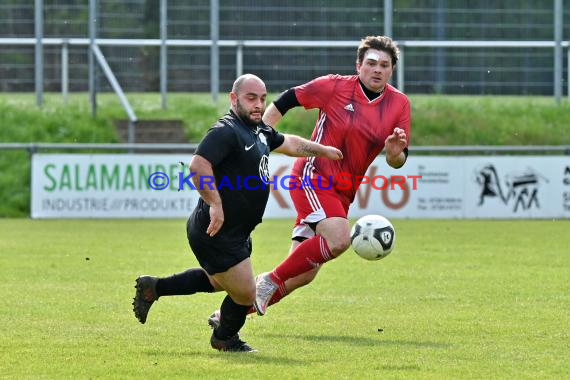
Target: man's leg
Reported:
[(150, 289), (331, 240), (192, 281), (238, 282), (290, 285), (300, 280)]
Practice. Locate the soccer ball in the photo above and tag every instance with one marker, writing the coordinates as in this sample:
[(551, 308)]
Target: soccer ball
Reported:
[(373, 237)]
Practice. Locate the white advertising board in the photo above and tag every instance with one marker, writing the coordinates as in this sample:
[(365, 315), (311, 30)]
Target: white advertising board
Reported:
[(117, 186), (108, 186), (458, 187)]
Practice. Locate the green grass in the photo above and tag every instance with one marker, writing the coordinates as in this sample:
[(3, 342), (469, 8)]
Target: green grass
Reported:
[(489, 120), (21, 121), (436, 120), (456, 299), (196, 111)]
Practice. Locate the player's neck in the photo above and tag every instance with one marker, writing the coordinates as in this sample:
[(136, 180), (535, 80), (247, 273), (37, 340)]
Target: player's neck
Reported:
[(371, 95)]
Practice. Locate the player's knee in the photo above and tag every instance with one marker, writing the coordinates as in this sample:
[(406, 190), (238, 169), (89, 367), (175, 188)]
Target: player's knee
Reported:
[(338, 245), (245, 296)]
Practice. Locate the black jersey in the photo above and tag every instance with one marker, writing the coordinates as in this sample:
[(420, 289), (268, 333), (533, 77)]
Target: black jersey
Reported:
[(239, 157)]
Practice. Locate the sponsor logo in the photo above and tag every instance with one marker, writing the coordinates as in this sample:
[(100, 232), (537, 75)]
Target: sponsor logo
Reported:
[(386, 237), (264, 169), (519, 190), (349, 107)]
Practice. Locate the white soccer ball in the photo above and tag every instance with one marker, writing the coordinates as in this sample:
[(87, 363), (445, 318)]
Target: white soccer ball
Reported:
[(373, 237)]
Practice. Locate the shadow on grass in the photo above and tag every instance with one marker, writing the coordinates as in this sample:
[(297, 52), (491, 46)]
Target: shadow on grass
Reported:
[(244, 358), (358, 340)]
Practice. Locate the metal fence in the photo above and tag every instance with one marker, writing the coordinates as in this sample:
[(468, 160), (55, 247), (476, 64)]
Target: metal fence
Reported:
[(32, 148), (450, 67)]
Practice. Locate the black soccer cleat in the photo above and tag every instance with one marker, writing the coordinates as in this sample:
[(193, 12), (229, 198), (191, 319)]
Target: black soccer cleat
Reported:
[(233, 344), (144, 296)]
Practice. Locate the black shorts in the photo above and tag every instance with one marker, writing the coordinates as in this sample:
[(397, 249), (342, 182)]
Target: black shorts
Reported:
[(216, 254)]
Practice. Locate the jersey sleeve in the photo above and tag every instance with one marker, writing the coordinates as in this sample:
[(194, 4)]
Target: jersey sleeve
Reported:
[(316, 93), (405, 120), (275, 139), (219, 143), (286, 101)]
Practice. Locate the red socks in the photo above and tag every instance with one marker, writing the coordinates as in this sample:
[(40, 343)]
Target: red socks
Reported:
[(308, 255)]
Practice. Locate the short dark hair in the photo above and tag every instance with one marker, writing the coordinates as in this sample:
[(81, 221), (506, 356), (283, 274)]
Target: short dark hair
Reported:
[(381, 43)]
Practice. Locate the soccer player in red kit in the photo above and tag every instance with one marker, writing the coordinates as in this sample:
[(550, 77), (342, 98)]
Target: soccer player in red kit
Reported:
[(360, 115)]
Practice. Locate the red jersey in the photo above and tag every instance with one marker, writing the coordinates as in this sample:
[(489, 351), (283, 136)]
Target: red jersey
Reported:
[(350, 122)]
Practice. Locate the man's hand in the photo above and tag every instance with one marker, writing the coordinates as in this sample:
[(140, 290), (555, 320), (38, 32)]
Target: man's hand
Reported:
[(332, 153), (216, 219), (395, 145), (203, 168), (396, 142)]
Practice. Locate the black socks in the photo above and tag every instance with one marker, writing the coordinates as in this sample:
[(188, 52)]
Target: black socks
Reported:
[(232, 318), (195, 281), (191, 281)]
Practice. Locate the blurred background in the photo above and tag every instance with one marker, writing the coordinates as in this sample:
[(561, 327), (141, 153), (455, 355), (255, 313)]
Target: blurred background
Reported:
[(451, 67), (485, 78)]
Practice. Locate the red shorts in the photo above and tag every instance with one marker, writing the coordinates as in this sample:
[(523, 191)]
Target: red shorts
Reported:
[(313, 204)]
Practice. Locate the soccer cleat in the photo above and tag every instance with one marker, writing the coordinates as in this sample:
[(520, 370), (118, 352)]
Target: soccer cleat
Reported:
[(214, 320), (265, 287), (233, 344), (144, 297)]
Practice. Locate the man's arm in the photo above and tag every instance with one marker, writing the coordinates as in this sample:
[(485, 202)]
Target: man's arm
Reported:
[(203, 169), (280, 106), (397, 143), (272, 115), (299, 147)]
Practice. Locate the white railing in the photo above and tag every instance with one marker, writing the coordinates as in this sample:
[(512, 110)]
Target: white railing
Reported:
[(240, 45)]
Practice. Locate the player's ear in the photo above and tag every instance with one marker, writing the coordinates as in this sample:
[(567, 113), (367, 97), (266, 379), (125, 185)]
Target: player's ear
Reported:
[(233, 99), (358, 65)]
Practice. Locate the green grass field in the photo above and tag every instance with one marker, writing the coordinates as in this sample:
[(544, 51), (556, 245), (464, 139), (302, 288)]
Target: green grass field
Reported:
[(456, 299)]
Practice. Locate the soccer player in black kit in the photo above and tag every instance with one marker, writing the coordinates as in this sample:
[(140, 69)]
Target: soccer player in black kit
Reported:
[(235, 152)]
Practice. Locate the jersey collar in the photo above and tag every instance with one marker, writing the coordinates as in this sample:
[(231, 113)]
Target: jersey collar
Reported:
[(361, 91)]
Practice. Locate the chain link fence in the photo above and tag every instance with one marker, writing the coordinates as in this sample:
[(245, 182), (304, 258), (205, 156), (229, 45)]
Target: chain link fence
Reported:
[(516, 71)]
